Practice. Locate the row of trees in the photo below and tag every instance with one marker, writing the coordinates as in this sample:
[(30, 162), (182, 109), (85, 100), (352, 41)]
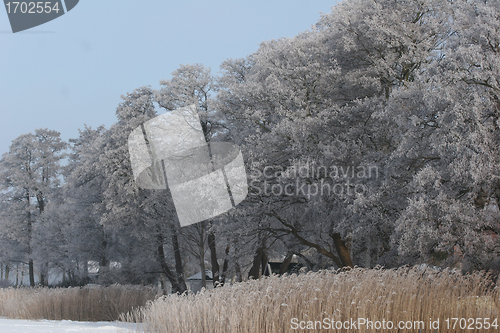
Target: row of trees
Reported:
[(371, 139)]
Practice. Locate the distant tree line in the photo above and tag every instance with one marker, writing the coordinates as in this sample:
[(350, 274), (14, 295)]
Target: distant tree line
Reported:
[(406, 89)]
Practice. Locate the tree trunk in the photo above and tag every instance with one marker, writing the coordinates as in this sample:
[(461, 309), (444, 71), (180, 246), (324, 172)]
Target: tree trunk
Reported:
[(163, 283), (43, 274), (202, 266), (30, 263), (224, 268), (17, 274), (343, 252), (7, 272), (177, 286), (178, 262), (166, 270), (103, 262), (254, 272), (31, 273), (284, 265), (213, 256), (22, 277), (44, 266), (239, 275), (200, 227)]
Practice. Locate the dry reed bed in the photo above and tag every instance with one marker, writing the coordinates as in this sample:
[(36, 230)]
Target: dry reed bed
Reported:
[(92, 303), (268, 305)]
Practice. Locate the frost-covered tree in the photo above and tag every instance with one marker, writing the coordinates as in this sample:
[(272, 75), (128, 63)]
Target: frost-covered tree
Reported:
[(142, 221), (82, 206), (451, 135), (195, 85), (30, 176), (337, 97), (372, 138)]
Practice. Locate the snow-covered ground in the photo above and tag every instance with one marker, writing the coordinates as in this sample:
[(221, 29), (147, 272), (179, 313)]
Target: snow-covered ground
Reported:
[(49, 326)]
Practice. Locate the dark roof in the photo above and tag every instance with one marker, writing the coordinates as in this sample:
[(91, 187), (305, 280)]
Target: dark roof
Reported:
[(197, 276), (275, 268)]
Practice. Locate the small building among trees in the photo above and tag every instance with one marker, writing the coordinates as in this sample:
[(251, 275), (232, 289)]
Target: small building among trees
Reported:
[(276, 267), (196, 281)]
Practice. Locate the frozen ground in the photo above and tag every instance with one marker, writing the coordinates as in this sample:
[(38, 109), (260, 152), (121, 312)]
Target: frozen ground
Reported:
[(48, 326)]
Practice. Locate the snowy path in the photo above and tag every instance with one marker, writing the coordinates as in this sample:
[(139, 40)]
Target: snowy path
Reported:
[(48, 326)]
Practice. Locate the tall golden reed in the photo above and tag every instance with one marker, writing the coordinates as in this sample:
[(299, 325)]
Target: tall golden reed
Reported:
[(92, 303), (268, 305)]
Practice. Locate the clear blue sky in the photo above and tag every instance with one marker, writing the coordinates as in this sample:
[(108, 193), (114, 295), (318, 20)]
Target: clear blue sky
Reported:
[(72, 71)]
